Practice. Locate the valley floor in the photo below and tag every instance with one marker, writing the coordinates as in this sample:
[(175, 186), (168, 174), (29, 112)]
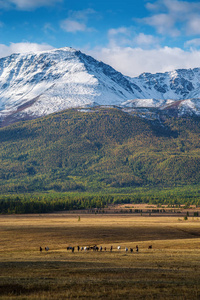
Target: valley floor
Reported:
[(170, 270)]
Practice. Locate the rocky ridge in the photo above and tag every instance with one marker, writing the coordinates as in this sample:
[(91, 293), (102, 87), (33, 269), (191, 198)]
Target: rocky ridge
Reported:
[(37, 84)]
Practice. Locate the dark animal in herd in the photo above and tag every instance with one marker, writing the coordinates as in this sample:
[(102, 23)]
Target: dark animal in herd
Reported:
[(46, 249), (69, 248)]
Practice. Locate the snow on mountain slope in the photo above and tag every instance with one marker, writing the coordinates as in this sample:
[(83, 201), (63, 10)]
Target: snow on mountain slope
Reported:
[(176, 85), (50, 81), (37, 84), (184, 107)]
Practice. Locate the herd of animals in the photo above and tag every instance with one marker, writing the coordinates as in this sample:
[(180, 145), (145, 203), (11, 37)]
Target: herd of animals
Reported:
[(96, 248)]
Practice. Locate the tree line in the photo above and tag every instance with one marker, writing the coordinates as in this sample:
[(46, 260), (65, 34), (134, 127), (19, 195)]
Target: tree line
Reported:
[(52, 202)]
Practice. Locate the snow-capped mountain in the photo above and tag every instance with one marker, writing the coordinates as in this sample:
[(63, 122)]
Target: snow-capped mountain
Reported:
[(37, 84)]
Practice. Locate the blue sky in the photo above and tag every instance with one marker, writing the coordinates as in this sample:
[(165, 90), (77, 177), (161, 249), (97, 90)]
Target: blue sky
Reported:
[(132, 36)]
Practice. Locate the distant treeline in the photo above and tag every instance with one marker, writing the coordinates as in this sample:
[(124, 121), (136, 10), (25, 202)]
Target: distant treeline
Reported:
[(46, 203)]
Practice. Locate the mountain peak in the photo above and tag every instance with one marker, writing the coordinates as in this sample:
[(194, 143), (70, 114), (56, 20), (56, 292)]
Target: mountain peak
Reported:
[(37, 84)]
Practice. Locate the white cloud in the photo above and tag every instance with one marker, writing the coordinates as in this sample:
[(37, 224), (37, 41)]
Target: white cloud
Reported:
[(82, 14), (195, 43), (193, 26), (77, 21), (134, 61), (173, 17), (48, 28), (146, 40), (174, 6), (120, 30), (163, 23), (72, 26), (27, 4), (120, 36), (22, 48), (127, 36)]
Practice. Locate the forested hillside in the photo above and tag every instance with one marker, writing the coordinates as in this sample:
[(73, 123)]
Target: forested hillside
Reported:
[(103, 149)]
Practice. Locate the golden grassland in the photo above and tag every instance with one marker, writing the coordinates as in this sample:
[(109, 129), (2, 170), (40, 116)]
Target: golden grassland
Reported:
[(170, 270)]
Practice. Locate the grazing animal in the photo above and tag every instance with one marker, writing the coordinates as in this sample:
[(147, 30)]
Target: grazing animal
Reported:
[(111, 248), (81, 248), (46, 248), (137, 249), (69, 248), (126, 249), (150, 247), (86, 248), (40, 249), (119, 247), (131, 249), (94, 248)]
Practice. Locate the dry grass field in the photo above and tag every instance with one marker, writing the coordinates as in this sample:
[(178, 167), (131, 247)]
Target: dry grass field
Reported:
[(170, 270)]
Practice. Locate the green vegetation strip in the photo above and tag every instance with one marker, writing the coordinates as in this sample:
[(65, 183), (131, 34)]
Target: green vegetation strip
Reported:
[(101, 151), (50, 202)]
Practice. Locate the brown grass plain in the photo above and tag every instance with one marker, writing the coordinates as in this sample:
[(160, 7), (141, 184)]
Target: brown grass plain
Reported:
[(170, 270)]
